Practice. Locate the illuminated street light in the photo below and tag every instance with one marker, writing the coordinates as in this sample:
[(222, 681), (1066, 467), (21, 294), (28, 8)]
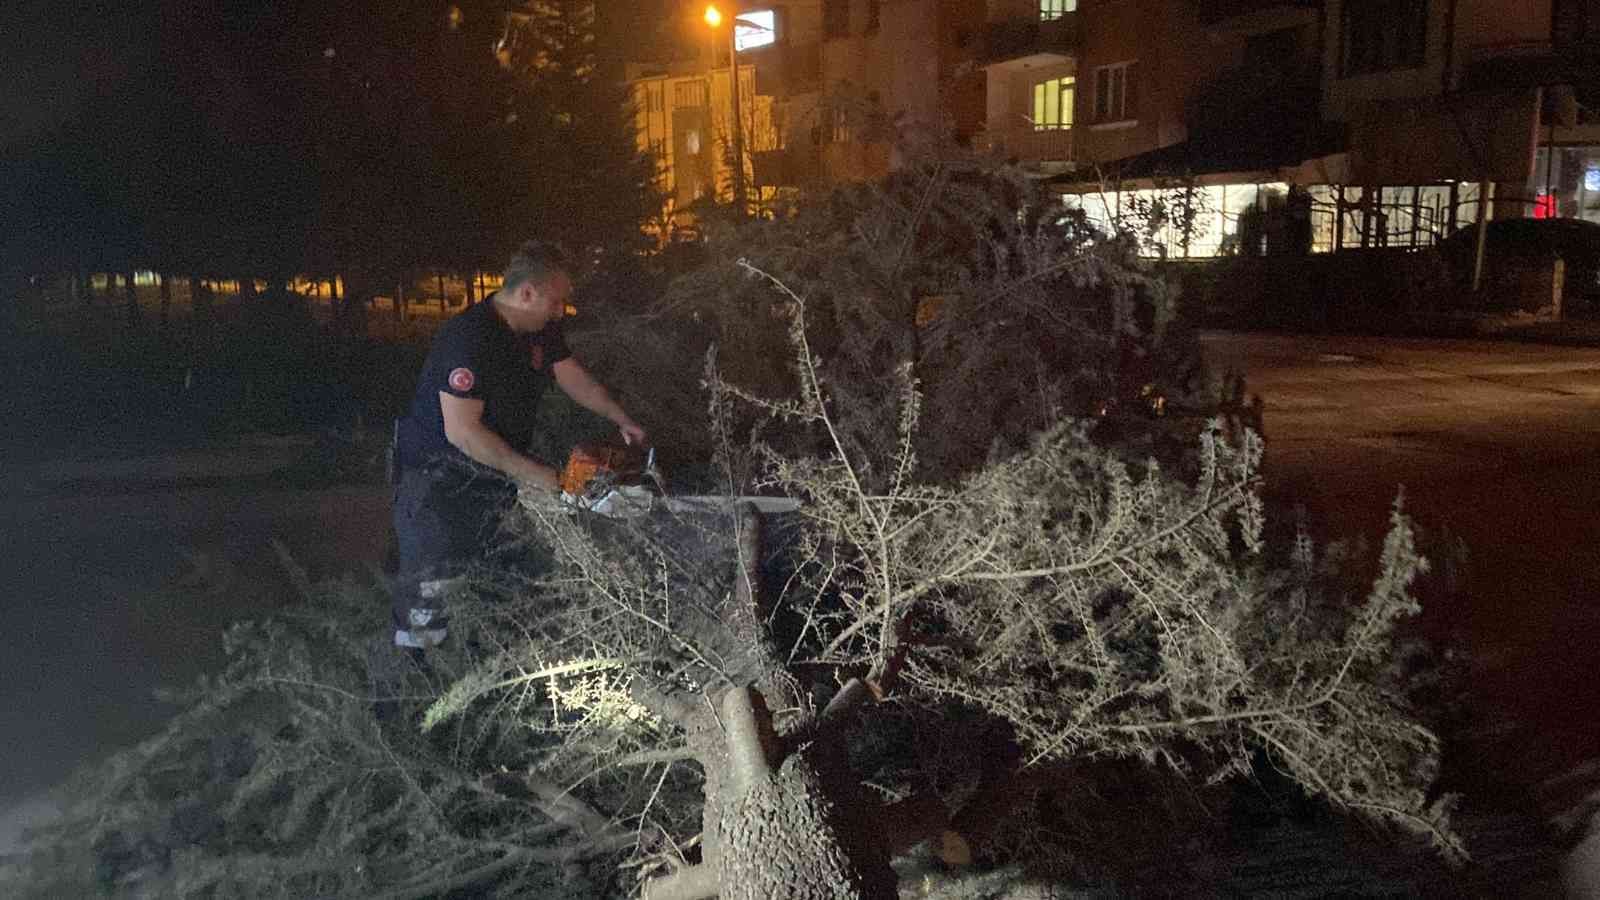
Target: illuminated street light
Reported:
[(713, 17)]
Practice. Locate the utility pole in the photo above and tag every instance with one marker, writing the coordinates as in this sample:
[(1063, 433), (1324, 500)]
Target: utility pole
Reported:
[(740, 196)]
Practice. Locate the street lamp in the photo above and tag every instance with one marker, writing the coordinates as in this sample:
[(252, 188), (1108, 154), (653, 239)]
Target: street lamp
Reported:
[(713, 18)]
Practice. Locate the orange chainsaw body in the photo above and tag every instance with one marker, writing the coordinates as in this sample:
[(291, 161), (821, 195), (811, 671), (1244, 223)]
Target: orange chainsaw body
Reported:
[(591, 464)]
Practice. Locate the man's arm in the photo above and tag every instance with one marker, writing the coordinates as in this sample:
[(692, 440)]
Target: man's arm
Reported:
[(464, 429), (593, 396)]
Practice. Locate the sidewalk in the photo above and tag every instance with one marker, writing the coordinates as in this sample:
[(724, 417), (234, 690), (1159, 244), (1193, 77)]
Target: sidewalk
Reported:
[(252, 455), (1570, 332)]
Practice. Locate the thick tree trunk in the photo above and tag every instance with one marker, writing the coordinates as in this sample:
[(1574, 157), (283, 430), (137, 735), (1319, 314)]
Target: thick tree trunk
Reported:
[(778, 829), (776, 824), (201, 300), (166, 300), (352, 305)]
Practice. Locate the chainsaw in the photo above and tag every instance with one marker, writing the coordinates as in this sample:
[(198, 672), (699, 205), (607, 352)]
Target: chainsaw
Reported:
[(625, 483)]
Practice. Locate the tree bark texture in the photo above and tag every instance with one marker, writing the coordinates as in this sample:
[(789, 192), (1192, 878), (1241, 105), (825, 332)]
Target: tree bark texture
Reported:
[(352, 305), (200, 299), (131, 295), (777, 828), (781, 821), (166, 299)]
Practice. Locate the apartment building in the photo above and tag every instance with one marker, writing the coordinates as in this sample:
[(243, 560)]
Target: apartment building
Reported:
[(892, 68), (1388, 119), (683, 101), (1123, 78), (825, 87), (1029, 57), (1486, 91)]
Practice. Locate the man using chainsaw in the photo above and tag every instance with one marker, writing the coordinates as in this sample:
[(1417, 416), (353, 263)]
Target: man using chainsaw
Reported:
[(459, 453)]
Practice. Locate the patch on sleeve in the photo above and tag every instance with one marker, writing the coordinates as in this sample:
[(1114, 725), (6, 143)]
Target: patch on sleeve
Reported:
[(462, 379)]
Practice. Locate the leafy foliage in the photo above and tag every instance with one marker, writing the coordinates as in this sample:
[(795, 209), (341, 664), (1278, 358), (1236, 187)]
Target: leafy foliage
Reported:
[(296, 772), (1009, 309)]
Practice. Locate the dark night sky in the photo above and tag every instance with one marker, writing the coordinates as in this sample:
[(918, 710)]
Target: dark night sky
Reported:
[(57, 55)]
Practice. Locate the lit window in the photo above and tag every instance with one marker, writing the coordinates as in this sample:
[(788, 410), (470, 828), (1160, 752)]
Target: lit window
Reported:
[(1112, 89), (1052, 103), (755, 29), (691, 142), (1055, 9)]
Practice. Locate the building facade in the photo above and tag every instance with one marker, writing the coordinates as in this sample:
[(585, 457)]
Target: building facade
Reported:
[(826, 86), (1393, 122), (1418, 109)]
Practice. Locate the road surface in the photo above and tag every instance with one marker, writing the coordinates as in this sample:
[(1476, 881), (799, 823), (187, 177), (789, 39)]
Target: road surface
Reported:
[(1497, 445), (91, 551)]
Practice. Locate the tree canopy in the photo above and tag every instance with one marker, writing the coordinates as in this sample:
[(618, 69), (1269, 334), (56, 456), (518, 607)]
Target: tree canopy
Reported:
[(288, 137)]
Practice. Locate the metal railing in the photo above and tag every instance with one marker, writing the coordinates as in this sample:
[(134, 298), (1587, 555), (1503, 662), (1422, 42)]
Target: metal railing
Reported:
[(1028, 144)]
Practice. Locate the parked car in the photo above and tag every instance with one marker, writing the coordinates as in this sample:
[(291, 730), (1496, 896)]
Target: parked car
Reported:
[(1575, 241)]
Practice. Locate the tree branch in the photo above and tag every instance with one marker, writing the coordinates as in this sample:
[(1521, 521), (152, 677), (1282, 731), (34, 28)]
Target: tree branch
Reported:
[(670, 707), (747, 758)]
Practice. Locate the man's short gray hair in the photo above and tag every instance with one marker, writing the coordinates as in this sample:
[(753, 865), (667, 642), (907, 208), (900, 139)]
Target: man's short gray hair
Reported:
[(536, 261)]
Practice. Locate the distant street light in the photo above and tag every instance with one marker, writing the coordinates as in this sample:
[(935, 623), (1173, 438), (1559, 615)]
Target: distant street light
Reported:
[(713, 18)]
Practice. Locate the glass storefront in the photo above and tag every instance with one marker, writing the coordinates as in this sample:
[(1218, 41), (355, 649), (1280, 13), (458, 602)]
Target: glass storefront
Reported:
[(1341, 217), (1566, 183)]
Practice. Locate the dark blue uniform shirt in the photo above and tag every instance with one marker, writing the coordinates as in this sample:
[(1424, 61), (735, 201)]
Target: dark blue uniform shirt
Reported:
[(476, 355)]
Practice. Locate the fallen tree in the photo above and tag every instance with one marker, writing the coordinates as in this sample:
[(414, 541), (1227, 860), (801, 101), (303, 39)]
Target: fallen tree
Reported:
[(698, 706), (1095, 608)]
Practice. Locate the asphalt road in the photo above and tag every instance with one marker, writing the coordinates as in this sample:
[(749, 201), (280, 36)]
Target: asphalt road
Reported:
[(92, 549), (1497, 446)]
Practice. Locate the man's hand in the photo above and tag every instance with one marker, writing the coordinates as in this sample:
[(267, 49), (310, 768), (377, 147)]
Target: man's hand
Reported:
[(631, 432), (591, 395)]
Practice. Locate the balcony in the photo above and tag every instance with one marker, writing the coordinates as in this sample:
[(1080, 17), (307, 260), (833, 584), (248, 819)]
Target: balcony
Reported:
[(1020, 41), (1255, 16), (1027, 145)]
